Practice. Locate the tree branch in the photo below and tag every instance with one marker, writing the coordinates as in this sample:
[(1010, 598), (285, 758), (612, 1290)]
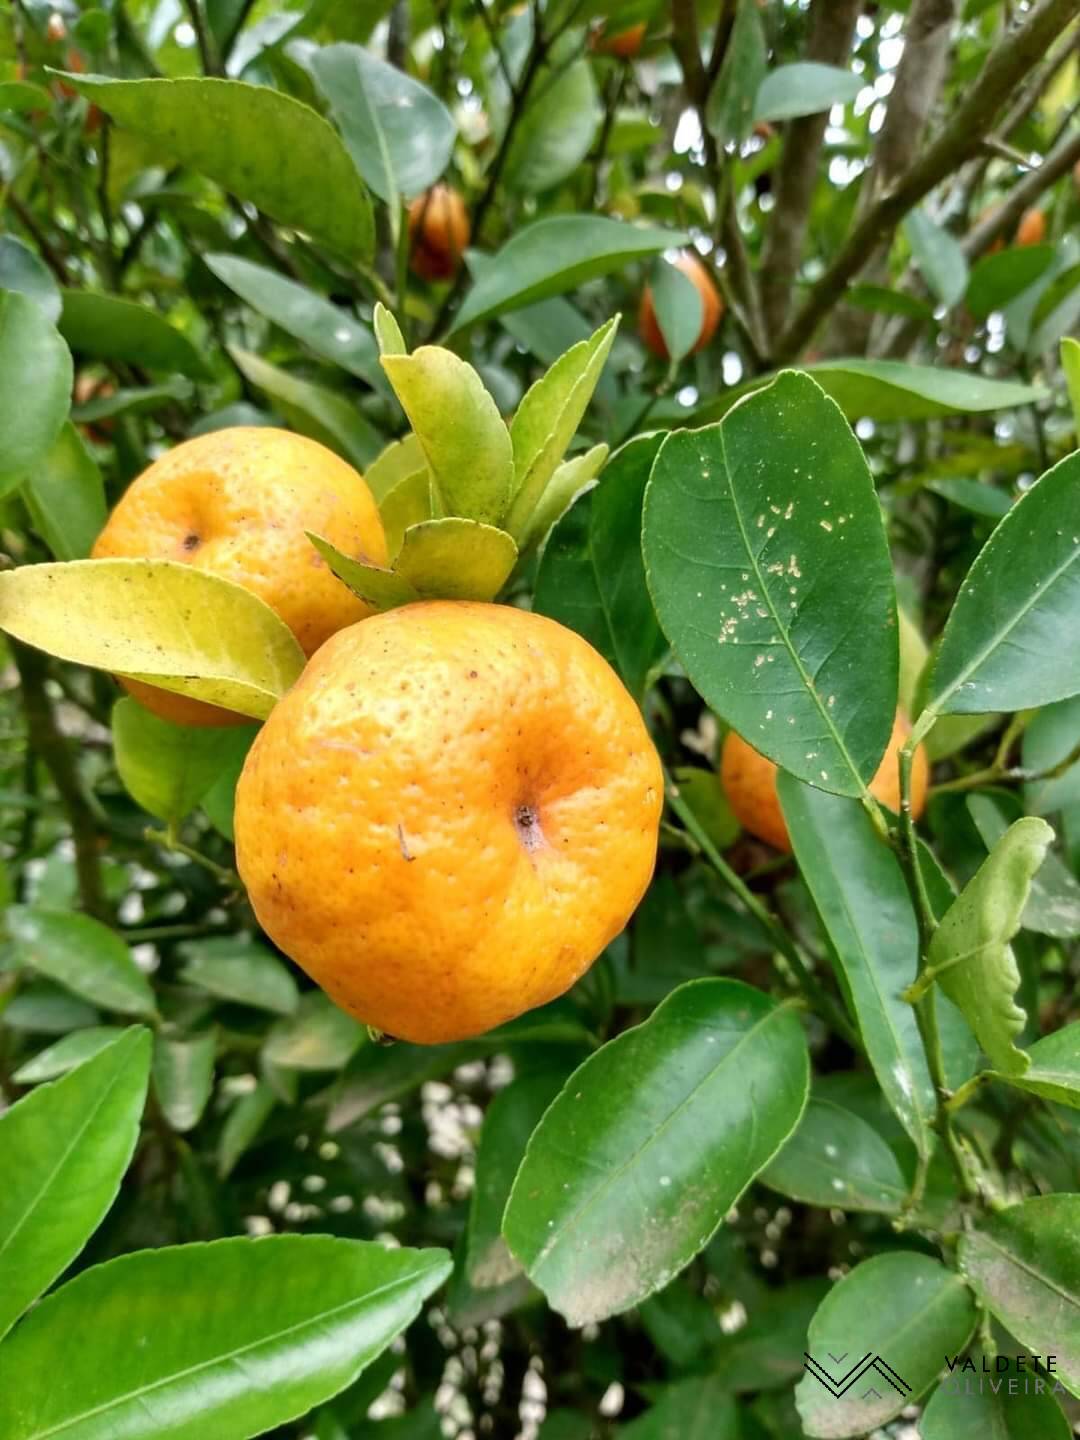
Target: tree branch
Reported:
[(1010, 60), (55, 755), (833, 28), (1022, 196)]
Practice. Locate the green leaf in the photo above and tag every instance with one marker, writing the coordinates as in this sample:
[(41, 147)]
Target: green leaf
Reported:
[(384, 589), (1070, 364), (547, 420), (145, 399), (1002, 645), (938, 255), (556, 131), (168, 768), (769, 1351), (679, 308), (313, 410), (973, 495), (65, 496), (377, 1075), (456, 559), (259, 144), (592, 575), (23, 270), (998, 279), (408, 503), (42, 1008), (1002, 1404), (1024, 1264), (837, 1160), (401, 459), (66, 1147), (68, 1052), (805, 88), (242, 1125), (237, 968), (331, 332), (81, 954), (37, 371), (318, 1036), (569, 480), (1053, 902), (757, 532), (219, 801), (862, 898), (160, 621), (697, 1409), (1048, 742), (651, 1142), (969, 953), (904, 1307), (109, 328), (512, 1116), (895, 390), (399, 134), (229, 1339), (1055, 1067), (184, 1077), (388, 332), (462, 434), (558, 254), (1056, 312), (18, 97), (729, 111)]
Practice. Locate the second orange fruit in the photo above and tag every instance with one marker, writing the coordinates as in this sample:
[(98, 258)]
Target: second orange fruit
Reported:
[(712, 308), (237, 503), (749, 782)]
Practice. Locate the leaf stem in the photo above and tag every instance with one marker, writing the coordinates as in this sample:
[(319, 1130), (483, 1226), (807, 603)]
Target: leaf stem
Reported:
[(820, 1000), (169, 840)]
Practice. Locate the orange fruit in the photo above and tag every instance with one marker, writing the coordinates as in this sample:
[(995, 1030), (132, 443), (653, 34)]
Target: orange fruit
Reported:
[(624, 44), (749, 782), (449, 816), (237, 503), (1032, 228), (438, 232), (712, 308)]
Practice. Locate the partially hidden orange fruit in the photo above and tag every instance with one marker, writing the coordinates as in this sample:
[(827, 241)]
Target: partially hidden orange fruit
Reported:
[(236, 503), (1032, 228), (749, 782), (449, 816), (712, 308), (624, 44), (438, 232)]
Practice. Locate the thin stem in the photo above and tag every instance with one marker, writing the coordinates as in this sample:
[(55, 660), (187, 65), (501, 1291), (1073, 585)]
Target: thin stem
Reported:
[(55, 754), (820, 999), (203, 38), (169, 840)]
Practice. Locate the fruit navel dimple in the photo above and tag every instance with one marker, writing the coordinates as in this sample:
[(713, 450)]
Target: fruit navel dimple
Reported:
[(527, 821)]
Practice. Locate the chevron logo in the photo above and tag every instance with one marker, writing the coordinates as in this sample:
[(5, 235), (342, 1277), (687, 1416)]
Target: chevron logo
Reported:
[(839, 1385)]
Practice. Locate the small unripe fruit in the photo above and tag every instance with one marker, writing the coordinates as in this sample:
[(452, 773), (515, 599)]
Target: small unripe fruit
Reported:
[(749, 782), (438, 232), (712, 308), (1032, 228), (625, 44)]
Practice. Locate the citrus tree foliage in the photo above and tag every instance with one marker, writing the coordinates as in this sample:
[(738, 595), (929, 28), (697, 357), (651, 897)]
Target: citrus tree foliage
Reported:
[(812, 1104)]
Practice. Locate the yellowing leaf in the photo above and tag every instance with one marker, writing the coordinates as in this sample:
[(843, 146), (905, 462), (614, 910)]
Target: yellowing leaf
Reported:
[(547, 418), (461, 432), (382, 588), (159, 621), (969, 954), (457, 559)]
